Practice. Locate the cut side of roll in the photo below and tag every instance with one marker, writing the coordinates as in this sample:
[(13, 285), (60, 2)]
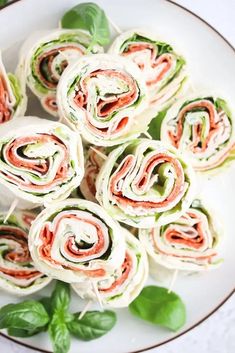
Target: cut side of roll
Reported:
[(162, 69), (188, 244), (12, 97), (45, 55), (18, 274), (40, 162), (93, 163), (202, 127), (121, 287), (75, 240), (144, 184), (101, 96)]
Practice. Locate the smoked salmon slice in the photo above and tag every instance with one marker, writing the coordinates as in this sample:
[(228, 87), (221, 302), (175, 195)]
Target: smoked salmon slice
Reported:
[(18, 274), (188, 244), (75, 240), (103, 98), (122, 286), (44, 57), (203, 129), (145, 182)]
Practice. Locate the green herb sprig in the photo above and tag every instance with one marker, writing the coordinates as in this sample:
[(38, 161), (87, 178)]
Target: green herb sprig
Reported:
[(160, 307), (52, 314), (89, 17)]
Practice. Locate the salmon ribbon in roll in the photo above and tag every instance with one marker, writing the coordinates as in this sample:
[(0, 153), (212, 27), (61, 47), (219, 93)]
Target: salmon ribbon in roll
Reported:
[(12, 97), (101, 96), (144, 184), (202, 127), (93, 163), (75, 240), (162, 68), (188, 244), (40, 162), (122, 286), (18, 274), (45, 55)]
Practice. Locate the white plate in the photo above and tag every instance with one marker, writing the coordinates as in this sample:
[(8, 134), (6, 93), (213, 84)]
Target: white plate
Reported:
[(211, 63)]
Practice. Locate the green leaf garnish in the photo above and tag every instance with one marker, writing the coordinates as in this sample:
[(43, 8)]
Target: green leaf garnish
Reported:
[(156, 305), (59, 334), (94, 324), (28, 315), (90, 17), (18, 332), (155, 125), (60, 297)]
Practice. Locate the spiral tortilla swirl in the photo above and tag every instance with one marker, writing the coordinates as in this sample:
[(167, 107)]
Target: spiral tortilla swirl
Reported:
[(202, 128), (120, 288), (18, 274), (101, 96), (45, 58), (76, 240), (162, 69), (42, 162), (189, 243), (144, 183)]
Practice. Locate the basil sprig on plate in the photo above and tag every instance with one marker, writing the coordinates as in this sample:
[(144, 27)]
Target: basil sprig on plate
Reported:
[(158, 306), (24, 319), (3, 2), (90, 17), (30, 317), (92, 325), (57, 329)]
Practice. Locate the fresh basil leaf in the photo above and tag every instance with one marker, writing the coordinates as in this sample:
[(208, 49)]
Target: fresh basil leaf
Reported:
[(90, 17), (60, 297), (156, 305), (27, 315), (18, 332), (221, 104), (3, 2), (155, 125), (46, 302), (94, 324), (59, 334)]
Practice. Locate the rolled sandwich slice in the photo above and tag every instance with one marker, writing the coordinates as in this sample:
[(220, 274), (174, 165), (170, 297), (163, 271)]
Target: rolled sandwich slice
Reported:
[(122, 286), (202, 127), (18, 274), (76, 240), (45, 55), (41, 161), (12, 95), (162, 68), (145, 184), (190, 243), (93, 164), (101, 96)]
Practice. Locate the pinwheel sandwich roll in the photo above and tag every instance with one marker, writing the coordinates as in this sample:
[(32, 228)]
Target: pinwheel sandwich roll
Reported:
[(191, 243), (74, 240), (101, 96), (93, 162), (122, 286), (202, 127), (145, 184), (18, 274), (46, 54), (13, 100), (41, 161), (162, 68)]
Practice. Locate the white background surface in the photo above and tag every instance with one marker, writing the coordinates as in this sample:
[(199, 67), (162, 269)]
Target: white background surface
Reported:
[(215, 335)]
